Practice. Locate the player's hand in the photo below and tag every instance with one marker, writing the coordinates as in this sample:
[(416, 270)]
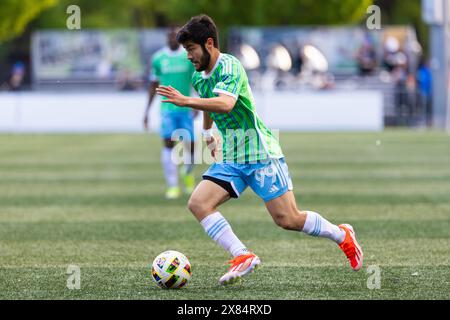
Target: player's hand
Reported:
[(213, 146), (172, 95)]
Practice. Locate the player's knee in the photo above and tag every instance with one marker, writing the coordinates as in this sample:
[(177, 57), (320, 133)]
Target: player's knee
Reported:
[(283, 221), (197, 207), (193, 205)]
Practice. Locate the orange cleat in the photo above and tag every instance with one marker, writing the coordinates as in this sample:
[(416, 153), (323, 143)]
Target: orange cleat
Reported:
[(351, 247), (240, 266)]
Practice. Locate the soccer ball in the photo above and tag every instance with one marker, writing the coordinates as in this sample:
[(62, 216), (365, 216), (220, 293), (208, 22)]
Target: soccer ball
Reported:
[(171, 270)]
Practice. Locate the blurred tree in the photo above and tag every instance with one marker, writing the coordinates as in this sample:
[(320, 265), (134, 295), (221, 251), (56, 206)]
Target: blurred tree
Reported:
[(157, 13), (150, 13), (15, 15), (104, 14), (270, 12)]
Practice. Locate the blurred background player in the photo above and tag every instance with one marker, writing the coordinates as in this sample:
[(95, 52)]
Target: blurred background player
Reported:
[(170, 66)]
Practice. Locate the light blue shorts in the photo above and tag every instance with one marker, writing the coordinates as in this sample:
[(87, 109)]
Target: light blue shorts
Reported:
[(183, 121), (269, 180)]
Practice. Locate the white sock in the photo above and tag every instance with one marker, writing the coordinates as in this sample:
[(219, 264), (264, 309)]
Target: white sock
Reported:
[(317, 226), (220, 231), (170, 168)]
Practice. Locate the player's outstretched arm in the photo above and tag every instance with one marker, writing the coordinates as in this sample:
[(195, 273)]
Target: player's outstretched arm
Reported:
[(221, 104)]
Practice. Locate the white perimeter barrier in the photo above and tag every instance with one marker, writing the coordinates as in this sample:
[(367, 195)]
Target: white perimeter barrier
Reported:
[(123, 112)]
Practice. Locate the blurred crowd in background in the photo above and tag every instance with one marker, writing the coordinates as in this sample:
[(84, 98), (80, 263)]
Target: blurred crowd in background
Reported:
[(278, 55)]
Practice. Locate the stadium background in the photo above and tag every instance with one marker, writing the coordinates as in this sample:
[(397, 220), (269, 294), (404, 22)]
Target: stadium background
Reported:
[(80, 182)]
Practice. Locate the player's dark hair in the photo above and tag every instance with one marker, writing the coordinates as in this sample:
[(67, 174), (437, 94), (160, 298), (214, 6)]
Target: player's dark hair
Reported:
[(198, 30)]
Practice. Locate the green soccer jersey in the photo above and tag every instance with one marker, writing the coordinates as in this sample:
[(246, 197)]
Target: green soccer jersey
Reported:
[(245, 137), (172, 68)]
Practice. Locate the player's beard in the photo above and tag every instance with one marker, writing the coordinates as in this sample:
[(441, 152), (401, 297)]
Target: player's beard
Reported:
[(204, 60)]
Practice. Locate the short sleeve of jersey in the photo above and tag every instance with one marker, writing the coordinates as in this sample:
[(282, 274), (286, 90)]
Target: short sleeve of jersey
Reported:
[(155, 71), (230, 79)]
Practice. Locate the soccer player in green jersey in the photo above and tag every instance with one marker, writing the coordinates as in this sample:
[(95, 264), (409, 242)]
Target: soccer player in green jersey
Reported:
[(170, 66), (251, 155)]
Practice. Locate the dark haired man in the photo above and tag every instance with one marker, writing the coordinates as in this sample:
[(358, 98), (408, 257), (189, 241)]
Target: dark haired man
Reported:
[(252, 158)]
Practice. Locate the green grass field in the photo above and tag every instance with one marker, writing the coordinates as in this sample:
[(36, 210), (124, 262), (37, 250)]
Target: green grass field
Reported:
[(96, 201)]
